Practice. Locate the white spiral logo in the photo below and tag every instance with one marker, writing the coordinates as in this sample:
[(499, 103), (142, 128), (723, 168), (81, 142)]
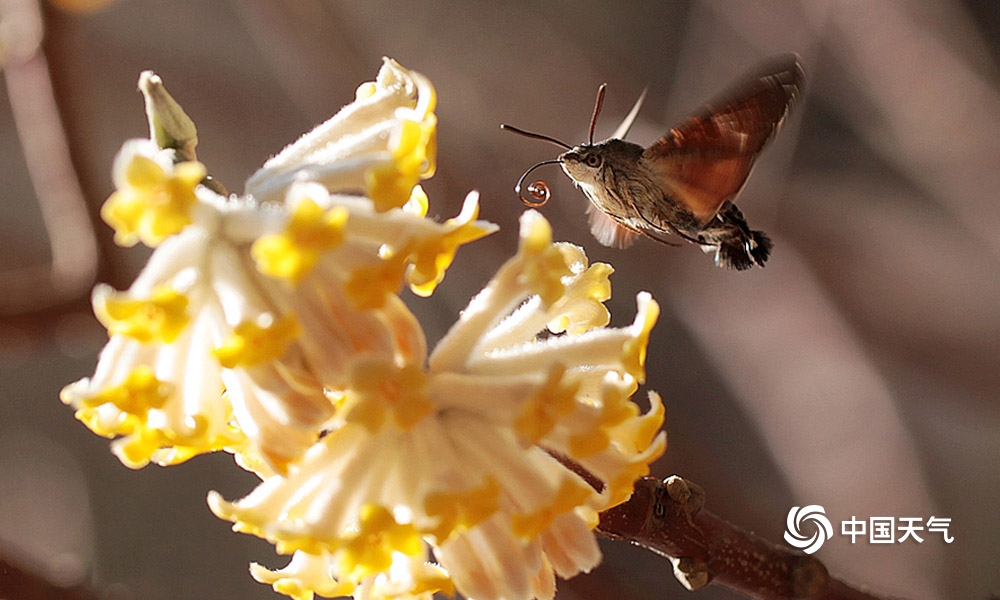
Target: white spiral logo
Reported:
[(794, 535)]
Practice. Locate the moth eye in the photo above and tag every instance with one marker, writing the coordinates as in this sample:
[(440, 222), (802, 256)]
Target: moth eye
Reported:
[(592, 160)]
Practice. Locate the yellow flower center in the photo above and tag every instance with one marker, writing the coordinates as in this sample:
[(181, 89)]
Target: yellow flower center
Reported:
[(312, 230), (462, 510), (153, 204), (369, 550), (137, 394), (570, 495), (554, 399), (160, 318), (414, 151), (546, 267), (634, 355), (380, 388), (252, 343)]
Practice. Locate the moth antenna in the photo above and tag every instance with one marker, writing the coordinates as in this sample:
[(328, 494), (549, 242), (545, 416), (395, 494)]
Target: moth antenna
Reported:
[(536, 136), (597, 111), (539, 190)]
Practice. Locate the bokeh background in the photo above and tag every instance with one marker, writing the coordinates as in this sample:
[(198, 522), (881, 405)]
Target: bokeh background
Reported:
[(858, 371)]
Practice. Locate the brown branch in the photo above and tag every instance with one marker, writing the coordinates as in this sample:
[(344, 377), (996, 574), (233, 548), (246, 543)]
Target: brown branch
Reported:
[(666, 516)]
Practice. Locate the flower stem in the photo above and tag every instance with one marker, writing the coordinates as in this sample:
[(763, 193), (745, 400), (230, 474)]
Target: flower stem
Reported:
[(666, 516)]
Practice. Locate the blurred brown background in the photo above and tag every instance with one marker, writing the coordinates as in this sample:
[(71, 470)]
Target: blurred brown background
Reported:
[(858, 371)]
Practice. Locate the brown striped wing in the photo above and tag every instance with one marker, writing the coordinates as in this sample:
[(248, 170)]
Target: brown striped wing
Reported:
[(706, 159)]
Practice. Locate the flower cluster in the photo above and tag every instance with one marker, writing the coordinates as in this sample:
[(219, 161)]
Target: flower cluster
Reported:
[(270, 325)]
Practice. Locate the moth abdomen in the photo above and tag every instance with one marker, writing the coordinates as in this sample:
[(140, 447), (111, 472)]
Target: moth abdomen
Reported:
[(736, 245), (741, 253)]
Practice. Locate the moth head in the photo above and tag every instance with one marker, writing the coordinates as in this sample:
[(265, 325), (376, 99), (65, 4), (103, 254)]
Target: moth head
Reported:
[(583, 163)]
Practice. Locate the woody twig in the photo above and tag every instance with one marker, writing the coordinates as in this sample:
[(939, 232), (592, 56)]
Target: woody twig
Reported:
[(668, 517)]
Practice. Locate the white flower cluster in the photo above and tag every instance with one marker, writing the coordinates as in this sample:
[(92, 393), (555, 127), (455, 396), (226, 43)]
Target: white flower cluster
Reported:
[(269, 325)]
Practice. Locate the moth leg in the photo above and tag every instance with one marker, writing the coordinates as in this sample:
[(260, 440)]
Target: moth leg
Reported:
[(656, 231)]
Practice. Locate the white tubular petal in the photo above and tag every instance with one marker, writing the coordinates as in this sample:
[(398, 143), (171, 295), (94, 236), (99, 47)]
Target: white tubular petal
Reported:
[(338, 152), (570, 546)]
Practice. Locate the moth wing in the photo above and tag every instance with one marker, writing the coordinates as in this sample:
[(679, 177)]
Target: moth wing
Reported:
[(705, 160), (629, 119), (608, 231)]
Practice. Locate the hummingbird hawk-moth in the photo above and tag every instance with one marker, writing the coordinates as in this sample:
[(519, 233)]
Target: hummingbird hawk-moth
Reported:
[(686, 182)]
